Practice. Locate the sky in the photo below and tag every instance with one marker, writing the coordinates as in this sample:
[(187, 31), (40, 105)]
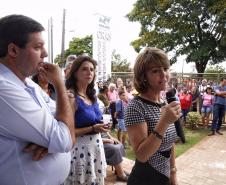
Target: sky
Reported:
[(80, 22)]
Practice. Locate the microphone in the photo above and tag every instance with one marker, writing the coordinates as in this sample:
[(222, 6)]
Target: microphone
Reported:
[(170, 97)]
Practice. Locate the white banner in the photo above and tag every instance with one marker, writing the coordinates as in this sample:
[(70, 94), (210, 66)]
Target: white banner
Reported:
[(102, 47)]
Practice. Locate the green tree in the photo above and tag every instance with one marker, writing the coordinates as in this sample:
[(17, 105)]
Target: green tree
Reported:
[(216, 70), (194, 28), (80, 46), (57, 60), (119, 64), (77, 47)]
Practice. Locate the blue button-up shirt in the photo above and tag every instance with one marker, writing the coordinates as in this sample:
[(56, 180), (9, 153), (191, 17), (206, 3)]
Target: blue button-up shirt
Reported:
[(26, 116), (219, 99)]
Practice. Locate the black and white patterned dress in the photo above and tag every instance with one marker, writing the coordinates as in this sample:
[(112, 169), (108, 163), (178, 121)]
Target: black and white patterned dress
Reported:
[(141, 110), (88, 163)]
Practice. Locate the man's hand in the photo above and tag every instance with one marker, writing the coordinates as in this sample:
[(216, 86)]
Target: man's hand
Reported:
[(72, 100), (51, 72), (38, 152)]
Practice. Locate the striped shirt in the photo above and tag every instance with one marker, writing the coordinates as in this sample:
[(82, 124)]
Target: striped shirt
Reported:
[(139, 111)]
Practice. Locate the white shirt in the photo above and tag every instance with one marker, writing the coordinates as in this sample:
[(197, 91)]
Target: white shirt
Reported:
[(26, 117)]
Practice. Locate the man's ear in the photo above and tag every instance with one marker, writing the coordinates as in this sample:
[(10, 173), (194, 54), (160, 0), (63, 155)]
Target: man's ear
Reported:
[(13, 50)]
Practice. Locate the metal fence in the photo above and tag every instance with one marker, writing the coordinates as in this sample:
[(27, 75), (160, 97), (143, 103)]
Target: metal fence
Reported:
[(175, 77)]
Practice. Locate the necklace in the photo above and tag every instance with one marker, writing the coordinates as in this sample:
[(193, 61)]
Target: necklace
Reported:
[(82, 96)]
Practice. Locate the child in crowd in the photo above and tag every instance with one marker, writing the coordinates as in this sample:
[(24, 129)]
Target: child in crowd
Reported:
[(119, 114)]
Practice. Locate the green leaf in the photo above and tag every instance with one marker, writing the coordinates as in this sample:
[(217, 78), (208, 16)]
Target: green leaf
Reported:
[(195, 29)]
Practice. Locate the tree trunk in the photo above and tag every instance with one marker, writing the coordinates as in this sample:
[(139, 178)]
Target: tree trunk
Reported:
[(201, 65)]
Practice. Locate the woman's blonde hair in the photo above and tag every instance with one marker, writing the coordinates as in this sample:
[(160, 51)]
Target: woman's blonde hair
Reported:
[(149, 56), (111, 85)]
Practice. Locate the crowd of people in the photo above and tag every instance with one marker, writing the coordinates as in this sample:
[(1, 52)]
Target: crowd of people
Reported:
[(205, 98), (52, 130)]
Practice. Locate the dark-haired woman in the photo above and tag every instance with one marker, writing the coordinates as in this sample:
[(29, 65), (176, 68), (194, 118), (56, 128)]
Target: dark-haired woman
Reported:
[(88, 164)]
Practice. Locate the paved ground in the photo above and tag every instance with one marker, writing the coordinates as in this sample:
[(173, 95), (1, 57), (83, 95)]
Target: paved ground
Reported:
[(204, 164), (111, 178)]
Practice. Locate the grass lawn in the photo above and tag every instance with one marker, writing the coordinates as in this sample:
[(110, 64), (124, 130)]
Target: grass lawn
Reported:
[(192, 138)]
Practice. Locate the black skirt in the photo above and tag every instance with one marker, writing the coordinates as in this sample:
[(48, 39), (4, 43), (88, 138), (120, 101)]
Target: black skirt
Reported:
[(144, 174)]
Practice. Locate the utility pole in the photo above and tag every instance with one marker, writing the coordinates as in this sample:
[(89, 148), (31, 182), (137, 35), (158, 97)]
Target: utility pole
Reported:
[(182, 74), (50, 40), (63, 39)]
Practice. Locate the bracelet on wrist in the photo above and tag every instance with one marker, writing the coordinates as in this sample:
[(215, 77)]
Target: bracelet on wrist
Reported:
[(173, 169), (156, 134)]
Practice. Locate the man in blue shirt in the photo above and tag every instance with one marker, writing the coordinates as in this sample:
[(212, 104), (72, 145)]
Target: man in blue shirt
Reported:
[(36, 134), (219, 107)]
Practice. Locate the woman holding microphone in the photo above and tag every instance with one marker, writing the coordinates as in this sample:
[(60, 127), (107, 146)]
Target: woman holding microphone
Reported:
[(149, 122)]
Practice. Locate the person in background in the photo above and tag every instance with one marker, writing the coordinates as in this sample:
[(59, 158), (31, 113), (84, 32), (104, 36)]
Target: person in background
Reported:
[(149, 121), (121, 104), (112, 93), (219, 107), (35, 135), (114, 152), (129, 91), (173, 91), (191, 84), (100, 85), (112, 96), (195, 99), (202, 88), (175, 86), (207, 106), (45, 85), (101, 105), (211, 84), (119, 83), (88, 164), (185, 103), (102, 95), (69, 61), (169, 87)]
